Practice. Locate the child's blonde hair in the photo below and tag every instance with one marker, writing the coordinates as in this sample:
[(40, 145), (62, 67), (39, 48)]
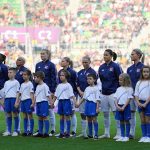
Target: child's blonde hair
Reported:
[(126, 79)]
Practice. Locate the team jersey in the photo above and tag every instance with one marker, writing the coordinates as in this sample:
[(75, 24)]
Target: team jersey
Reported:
[(3, 74), (109, 76), (25, 90), (92, 93), (42, 92), (82, 78), (134, 72), (142, 90), (123, 94), (11, 88), (50, 72), (19, 74), (64, 91)]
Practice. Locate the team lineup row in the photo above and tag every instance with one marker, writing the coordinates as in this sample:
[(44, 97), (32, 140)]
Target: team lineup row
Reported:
[(120, 92)]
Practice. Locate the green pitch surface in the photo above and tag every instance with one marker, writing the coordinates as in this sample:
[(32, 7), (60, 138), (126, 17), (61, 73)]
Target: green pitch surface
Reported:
[(52, 143)]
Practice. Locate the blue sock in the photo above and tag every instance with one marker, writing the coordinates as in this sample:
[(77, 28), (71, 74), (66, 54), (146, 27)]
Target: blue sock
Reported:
[(68, 126), (148, 130), (46, 123), (90, 128), (127, 129), (9, 123), (143, 128), (40, 123), (31, 125), (25, 124), (122, 127), (62, 126), (16, 119), (96, 128)]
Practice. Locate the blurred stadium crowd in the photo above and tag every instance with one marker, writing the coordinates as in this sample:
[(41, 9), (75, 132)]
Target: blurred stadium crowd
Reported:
[(88, 27)]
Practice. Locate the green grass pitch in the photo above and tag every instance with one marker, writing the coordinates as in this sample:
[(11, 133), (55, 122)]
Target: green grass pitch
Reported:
[(52, 143)]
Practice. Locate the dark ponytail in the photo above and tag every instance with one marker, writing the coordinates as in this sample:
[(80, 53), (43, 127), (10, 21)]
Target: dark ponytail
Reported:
[(113, 54), (3, 58)]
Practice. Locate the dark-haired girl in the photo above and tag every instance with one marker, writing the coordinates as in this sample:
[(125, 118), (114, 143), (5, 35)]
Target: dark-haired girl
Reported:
[(142, 97), (109, 75), (67, 64), (26, 95), (64, 93)]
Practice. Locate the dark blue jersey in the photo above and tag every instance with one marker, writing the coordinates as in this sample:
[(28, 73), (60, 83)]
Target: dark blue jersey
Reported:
[(3, 75), (19, 73), (82, 78), (134, 72), (72, 80), (50, 73), (109, 76)]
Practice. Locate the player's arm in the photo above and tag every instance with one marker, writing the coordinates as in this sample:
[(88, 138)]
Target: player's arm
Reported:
[(97, 105), (117, 106), (80, 92), (33, 99), (125, 105), (146, 102), (17, 100)]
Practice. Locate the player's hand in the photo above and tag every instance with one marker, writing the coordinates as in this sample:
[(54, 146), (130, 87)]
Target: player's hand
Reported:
[(32, 106), (16, 105), (144, 105), (81, 94), (77, 105), (97, 110)]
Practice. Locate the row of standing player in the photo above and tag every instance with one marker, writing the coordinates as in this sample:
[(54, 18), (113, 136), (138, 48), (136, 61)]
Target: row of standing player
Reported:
[(109, 74)]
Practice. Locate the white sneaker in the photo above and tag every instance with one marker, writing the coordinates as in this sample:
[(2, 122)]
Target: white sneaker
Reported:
[(120, 139), (104, 136), (14, 134), (125, 139), (142, 139), (6, 133), (117, 137), (147, 140), (56, 135), (80, 135)]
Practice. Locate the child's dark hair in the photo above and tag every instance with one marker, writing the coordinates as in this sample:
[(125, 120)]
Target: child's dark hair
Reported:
[(94, 77), (29, 73), (66, 73), (12, 69), (3, 58), (141, 77), (113, 54), (40, 74)]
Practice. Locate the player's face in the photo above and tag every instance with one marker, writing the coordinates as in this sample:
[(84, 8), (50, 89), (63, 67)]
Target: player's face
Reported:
[(121, 80), (19, 62), (85, 63), (25, 76), (62, 77), (107, 57), (64, 63), (37, 79), (11, 74), (146, 73), (134, 56), (44, 56), (90, 80)]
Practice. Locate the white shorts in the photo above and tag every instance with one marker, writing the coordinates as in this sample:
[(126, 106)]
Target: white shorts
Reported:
[(2, 93), (133, 105), (108, 103), (82, 106)]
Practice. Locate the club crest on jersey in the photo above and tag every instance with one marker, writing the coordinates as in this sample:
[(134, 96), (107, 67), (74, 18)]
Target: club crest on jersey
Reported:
[(111, 69), (138, 70), (46, 67), (21, 72)]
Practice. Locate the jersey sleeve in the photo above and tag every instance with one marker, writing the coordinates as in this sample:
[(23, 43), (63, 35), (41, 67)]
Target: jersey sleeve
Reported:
[(31, 88), (47, 91), (70, 91), (130, 93)]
